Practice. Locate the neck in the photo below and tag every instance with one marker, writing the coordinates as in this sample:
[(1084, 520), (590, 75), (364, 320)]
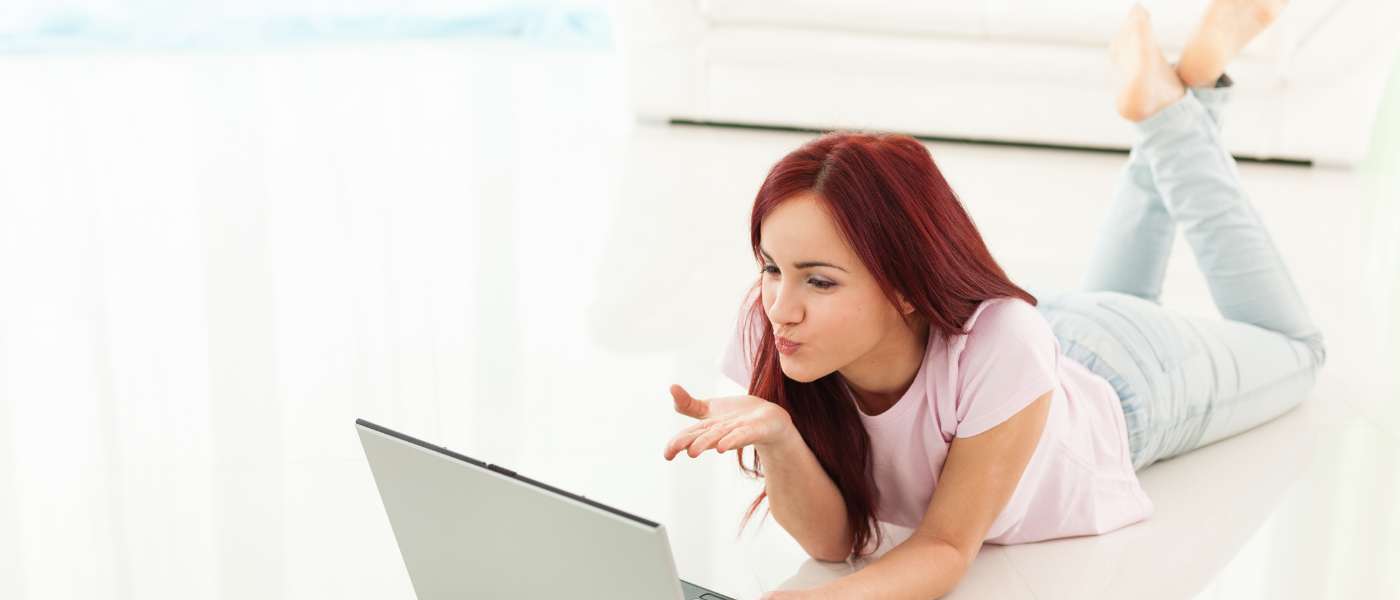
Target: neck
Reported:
[(880, 378)]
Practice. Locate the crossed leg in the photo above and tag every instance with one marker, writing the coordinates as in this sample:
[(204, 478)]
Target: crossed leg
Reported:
[(1180, 173), (1262, 358)]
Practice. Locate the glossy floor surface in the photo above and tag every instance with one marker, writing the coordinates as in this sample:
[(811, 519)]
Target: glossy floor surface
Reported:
[(210, 265)]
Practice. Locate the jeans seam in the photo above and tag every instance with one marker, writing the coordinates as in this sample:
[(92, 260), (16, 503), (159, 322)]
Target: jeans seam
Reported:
[(1134, 449), (1117, 333), (1264, 389), (1168, 363)]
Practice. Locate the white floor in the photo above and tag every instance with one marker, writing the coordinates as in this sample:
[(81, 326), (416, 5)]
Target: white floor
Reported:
[(210, 265)]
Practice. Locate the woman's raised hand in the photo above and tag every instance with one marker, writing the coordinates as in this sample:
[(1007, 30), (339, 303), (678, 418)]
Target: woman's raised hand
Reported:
[(727, 423)]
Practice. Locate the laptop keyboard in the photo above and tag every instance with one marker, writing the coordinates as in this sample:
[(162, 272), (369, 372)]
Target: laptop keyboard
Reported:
[(695, 592)]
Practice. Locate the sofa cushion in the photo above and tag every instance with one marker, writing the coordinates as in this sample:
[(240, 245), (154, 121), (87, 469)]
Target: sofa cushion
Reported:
[(1088, 22), (1074, 22), (1096, 21)]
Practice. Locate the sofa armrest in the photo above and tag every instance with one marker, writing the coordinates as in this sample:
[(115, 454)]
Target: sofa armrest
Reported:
[(1349, 35), (659, 42)]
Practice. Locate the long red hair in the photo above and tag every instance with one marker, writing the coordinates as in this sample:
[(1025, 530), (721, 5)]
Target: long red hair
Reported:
[(897, 212)]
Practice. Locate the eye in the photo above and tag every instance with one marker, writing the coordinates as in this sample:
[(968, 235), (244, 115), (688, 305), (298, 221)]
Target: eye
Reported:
[(770, 269), (821, 284)]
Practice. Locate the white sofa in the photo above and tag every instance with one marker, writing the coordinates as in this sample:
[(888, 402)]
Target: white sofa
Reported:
[(1027, 71)]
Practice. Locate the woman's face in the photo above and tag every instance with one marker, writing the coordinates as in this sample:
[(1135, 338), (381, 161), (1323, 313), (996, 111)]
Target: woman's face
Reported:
[(826, 309)]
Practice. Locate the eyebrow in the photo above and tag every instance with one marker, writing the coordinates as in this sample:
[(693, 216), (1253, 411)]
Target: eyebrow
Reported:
[(803, 265)]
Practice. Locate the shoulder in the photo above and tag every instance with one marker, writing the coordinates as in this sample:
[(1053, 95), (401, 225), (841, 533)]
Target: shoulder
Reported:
[(1005, 317), (1008, 359), (1002, 329)]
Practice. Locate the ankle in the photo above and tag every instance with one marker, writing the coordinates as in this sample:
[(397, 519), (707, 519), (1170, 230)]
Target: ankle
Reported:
[(1195, 79)]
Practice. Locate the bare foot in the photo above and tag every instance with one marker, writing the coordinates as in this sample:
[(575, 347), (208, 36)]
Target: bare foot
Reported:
[(1151, 84), (1222, 32)]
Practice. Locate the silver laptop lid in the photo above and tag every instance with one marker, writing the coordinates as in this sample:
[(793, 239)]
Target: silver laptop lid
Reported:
[(471, 530)]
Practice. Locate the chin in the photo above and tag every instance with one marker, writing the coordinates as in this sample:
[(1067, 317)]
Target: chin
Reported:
[(799, 372)]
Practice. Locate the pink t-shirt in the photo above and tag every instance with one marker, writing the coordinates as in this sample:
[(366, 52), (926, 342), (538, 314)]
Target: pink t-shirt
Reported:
[(1080, 481)]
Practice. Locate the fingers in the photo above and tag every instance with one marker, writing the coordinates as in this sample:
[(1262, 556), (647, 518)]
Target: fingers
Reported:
[(687, 404), (704, 435), (706, 440), (681, 440), (685, 438), (736, 438)]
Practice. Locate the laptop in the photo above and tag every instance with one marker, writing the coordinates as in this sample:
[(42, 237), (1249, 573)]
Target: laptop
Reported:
[(467, 529)]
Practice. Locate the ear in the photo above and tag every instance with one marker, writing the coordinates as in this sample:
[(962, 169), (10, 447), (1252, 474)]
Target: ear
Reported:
[(904, 306)]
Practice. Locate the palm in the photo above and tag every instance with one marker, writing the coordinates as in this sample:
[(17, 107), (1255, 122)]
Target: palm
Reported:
[(732, 407), (725, 423)]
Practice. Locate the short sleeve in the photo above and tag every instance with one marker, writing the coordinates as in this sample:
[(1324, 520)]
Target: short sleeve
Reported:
[(1010, 359), (734, 361)]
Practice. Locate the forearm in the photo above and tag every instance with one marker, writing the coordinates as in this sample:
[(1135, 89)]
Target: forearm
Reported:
[(804, 499), (922, 567)]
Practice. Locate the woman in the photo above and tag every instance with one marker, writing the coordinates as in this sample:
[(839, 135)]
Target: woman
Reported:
[(902, 385)]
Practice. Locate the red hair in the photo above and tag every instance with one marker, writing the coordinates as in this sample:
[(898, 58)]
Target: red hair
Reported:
[(896, 211)]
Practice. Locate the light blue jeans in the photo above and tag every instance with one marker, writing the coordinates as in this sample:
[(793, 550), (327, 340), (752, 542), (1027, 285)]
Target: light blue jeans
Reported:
[(1185, 382)]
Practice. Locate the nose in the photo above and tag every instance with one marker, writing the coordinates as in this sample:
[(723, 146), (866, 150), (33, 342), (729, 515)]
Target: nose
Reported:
[(784, 307)]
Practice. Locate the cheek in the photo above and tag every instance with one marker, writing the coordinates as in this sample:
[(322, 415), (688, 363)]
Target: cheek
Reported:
[(845, 327), (837, 331)]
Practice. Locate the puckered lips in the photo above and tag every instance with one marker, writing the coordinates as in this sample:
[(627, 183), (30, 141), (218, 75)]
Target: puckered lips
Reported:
[(786, 346)]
